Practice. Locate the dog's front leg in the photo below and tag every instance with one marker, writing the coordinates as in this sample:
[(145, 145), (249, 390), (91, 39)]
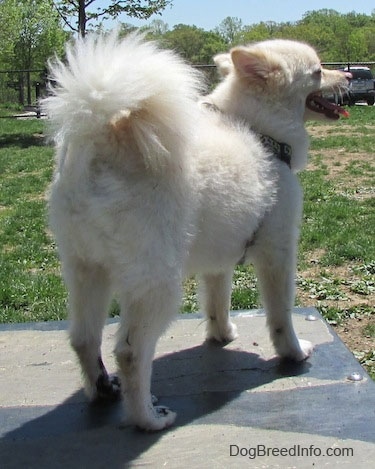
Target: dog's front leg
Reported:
[(274, 255), (276, 273), (142, 323), (215, 294)]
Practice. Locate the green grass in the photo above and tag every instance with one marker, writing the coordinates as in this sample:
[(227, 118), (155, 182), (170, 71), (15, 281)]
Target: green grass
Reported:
[(369, 330), (340, 225), (353, 145), (32, 289)]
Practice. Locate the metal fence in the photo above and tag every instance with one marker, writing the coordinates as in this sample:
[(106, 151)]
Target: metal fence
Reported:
[(24, 87), (21, 87)]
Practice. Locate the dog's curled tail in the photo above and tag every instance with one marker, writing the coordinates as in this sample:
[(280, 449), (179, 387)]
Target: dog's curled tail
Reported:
[(129, 87)]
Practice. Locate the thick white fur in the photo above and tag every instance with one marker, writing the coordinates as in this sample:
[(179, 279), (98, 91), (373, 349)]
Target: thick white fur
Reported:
[(151, 187)]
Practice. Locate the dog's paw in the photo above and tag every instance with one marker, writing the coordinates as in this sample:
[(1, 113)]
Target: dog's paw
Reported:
[(161, 418), (108, 389), (220, 333), (306, 349), (298, 352)]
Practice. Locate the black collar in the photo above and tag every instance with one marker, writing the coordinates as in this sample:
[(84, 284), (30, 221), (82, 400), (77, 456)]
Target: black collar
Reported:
[(282, 151)]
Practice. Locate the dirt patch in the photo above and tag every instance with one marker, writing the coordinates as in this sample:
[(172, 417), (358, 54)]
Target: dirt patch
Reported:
[(339, 167), (337, 161), (353, 333), (340, 289), (321, 131)]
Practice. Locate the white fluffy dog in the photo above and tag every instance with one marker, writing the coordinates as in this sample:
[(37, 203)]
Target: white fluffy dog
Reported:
[(151, 186)]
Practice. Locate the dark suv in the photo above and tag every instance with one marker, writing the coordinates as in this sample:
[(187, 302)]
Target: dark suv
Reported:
[(361, 87)]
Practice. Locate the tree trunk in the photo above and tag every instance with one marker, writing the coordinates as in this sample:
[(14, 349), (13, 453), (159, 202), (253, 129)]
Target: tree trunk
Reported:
[(82, 18)]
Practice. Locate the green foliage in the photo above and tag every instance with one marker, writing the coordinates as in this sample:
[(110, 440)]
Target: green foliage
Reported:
[(335, 316), (337, 37), (256, 32), (195, 44), (30, 33), (230, 29), (77, 14)]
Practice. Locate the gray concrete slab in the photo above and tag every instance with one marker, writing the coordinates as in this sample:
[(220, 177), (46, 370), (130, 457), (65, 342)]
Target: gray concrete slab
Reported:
[(238, 405)]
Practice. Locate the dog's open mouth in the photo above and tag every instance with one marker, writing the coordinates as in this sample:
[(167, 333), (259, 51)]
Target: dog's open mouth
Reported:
[(316, 103)]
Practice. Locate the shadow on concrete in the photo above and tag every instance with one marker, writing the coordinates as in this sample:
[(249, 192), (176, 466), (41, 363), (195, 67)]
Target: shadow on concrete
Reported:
[(197, 383)]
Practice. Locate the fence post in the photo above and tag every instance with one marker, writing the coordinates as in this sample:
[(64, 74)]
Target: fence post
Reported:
[(37, 94), (21, 94), (28, 84)]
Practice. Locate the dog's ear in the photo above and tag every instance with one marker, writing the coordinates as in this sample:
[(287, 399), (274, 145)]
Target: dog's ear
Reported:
[(224, 64), (255, 65)]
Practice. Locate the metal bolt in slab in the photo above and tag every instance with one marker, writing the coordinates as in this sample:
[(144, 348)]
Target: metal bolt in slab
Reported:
[(311, 317), (355, 376)]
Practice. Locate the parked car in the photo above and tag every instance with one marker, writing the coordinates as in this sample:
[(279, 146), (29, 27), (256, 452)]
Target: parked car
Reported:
[(361, 87)]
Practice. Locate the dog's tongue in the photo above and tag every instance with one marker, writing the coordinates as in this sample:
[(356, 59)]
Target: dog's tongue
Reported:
[(344, 112), (317, 103)]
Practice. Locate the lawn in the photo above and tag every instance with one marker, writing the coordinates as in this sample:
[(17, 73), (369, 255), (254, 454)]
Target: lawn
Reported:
[(29, 271), (336, 270)]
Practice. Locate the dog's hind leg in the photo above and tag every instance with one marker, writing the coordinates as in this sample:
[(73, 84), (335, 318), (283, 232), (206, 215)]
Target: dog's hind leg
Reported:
[(143, 321), (215, 296), (89, 294)]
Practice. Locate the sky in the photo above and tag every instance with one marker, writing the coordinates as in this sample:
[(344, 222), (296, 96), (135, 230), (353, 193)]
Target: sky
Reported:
[(208, 14)]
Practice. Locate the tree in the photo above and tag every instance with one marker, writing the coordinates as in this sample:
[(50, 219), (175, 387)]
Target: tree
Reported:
[(78, 13), (156, 29), (230, 29), (195, 44), (257, 32), (31, 32)]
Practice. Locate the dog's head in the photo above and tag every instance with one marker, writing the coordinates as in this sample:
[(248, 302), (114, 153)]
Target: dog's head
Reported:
[(286, 73)]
